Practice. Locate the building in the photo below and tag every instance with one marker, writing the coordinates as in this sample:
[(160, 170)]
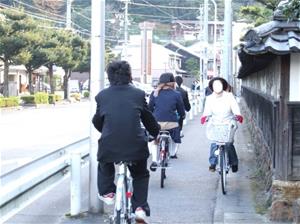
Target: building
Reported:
[(270, 74)]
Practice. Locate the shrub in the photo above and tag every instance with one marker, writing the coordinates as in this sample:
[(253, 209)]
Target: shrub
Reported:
[(2, 102), (77, 96), (86, 94), (28, 99), (58, 97), (9, 101), (12, 101), (41, 98), (51, 99)]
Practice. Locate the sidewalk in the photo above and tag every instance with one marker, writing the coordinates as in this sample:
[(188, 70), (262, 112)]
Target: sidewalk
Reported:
[(192, 195), (238, 205)]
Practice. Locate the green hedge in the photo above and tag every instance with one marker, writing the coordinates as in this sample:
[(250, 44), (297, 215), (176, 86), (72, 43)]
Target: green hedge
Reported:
[(58, 98), (41, 98), (52, 98), (86, 94), (28, 99), (9, 101), (2, 102)]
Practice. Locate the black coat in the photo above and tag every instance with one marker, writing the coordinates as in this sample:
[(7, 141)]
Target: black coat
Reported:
[(185, 98), (120, 110)]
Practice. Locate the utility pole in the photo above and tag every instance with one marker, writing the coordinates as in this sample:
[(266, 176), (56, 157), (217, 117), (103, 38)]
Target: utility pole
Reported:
[(144, 55), (69, 16), (96, 83), (125, 28), (215, 39), (200, 50), (205, 38), (227, 56)]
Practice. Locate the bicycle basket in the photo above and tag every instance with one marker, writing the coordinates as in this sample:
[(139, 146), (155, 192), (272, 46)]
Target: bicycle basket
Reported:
[(220, 132)]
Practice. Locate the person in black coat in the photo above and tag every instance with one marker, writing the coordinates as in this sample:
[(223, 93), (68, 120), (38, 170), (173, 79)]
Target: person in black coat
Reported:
[(185, 98), (120, 110)]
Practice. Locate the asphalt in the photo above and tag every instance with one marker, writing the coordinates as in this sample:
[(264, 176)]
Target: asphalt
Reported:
[(192, 195)]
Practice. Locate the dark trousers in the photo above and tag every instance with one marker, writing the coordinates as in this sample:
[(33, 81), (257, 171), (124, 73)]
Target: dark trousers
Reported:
[(232, 156), (140, 176)]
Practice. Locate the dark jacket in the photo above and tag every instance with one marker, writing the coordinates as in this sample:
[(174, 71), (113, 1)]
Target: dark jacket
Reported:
[(185, 98), (166, 105), (120, 110)]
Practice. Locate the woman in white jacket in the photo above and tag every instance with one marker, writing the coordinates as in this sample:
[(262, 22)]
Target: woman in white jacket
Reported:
[(222, 107)]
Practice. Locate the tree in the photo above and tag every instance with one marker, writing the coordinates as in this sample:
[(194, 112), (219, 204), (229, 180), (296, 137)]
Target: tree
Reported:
[(13, 40), (51, 49), (292, 9), (32, 56), (261, 12), (73, 49), (192, 65)]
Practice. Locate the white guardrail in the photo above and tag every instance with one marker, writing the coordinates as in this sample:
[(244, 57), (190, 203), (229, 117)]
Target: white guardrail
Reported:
[(17, 182)]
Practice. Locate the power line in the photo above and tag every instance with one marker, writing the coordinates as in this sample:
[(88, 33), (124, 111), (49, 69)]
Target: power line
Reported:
[(42, 10), (163, 6), (166, 13), (31, 14), (82, 15)]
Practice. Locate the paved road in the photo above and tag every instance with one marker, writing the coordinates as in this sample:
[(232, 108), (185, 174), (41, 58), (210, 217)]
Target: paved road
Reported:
[(30, 133)]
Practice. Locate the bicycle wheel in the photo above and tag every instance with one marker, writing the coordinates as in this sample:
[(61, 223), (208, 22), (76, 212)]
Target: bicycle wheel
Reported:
[(163, 170), (223, 170), (118, 217), (163, 173)]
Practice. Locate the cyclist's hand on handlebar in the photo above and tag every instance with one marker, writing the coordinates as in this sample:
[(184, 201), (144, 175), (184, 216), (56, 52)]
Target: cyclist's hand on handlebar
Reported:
[(239, 118), (203, 119)]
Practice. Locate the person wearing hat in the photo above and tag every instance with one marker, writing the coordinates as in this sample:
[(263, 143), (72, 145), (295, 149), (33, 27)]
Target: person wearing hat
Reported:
[(185, 97), (221, 106), (166, 104)]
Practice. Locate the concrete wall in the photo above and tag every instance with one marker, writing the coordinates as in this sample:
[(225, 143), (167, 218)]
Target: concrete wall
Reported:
[(266, 81)]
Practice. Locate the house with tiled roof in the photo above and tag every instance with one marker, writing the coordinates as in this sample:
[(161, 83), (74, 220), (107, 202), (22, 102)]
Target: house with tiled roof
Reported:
[(270, 74)]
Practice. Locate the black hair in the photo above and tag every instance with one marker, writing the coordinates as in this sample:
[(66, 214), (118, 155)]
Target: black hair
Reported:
[(166, 78), (119, 73), (179, 80), (223, 81)]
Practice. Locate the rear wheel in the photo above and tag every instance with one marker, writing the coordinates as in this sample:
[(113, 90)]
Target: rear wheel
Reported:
[(223, 170), (118, 217), (163, 173)]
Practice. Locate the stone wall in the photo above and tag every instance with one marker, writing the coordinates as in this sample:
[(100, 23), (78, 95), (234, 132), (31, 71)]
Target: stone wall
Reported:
[(285, 206), (262, 150)]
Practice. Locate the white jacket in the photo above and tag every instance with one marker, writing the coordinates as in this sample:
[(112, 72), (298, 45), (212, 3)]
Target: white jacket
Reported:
[(222, 107)]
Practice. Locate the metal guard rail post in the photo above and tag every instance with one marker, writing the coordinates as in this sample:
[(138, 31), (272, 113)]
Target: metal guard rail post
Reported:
[(23, 178)]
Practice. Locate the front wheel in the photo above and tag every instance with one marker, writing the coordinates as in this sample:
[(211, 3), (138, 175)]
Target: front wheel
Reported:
[(223, 171)]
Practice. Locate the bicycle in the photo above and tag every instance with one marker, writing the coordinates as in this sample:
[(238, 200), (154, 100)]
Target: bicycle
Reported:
[(222, 133), (164, 142), (123, 212)]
